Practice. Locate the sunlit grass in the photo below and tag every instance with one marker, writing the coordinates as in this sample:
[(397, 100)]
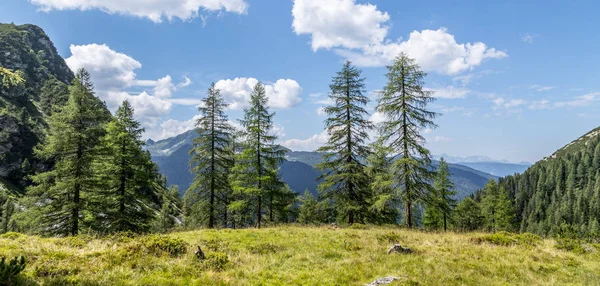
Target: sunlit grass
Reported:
[(294, 255)]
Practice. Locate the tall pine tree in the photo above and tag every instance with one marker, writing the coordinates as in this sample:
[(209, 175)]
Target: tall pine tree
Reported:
[(72, 142), (345, 180), (255, 172), (403, 103), (212, 160), (130, 183)]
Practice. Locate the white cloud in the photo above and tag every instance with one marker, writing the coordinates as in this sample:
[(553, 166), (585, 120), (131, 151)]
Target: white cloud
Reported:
[(113, 74), (155, 10), (284, 93), (321, 111), (507, 104), (540, 104), (451, 92), (540, 88), (441, 139), (309, 144), (339, 23), (427, 130), (452, 109), (529, 38), (358, 33), (377, 117), (582, 100), (109, 69), (186, 82)]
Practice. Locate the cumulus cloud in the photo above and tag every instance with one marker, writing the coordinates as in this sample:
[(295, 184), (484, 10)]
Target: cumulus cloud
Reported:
[(186, 82), (113, 75), (156, 10), (284, 93), (358, 33), (321, 111), (309, 144), (339, 23)]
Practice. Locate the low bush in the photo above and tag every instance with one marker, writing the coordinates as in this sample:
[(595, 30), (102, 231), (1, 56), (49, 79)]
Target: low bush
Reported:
[(161, 245), (10, 270), (265, 248), (391, 237), (12, 235), (568, 244), (357, 226), (216, 261)]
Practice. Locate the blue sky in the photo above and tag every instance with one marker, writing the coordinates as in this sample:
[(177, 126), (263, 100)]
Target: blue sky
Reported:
[(515, 80)]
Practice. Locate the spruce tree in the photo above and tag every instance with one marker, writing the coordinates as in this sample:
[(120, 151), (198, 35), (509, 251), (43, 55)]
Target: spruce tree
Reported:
[(467, 215), (212, 160), (441, 201), (6, 212), (255, 170), (496, 208), (126, 203), (345, 180), (308, 209), (62, 193), (403, 102)]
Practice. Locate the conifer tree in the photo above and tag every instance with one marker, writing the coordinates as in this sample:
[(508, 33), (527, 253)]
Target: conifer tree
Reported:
[(74, 133), (385, 200), (442, 199), (212, 160), (403, 102), (8, 208), (254, 172), (467, 215), (345, 180), (308, 210), (127, 173), (496, 208)]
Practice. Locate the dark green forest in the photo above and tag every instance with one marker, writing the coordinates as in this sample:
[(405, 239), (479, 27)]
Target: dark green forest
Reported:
[(69, 166)]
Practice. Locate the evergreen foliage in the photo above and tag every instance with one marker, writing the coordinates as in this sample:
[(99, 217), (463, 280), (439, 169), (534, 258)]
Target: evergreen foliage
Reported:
[(254, 175), (496, 208), (467, 215), (207, 198), (130, 182), (403, 102), (345, 180), (385, 198), (438, 210), (74, 134)]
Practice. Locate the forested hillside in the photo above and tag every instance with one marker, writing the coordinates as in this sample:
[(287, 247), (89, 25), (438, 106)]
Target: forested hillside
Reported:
[(560, 195)]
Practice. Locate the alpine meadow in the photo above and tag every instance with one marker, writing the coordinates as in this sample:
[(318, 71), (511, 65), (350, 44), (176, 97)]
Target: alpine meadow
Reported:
[(345, 143)]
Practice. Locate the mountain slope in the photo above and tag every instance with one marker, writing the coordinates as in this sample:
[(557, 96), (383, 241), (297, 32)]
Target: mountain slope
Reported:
[(23, 109), (496, 168), (560, 195), (298, 171)]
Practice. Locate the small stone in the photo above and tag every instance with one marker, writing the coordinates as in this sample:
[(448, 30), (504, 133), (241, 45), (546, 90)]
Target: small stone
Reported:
[(382, 281), (397, 248)]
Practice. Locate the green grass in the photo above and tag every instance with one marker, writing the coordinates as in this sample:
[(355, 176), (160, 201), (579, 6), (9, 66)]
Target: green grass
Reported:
[(294, 255)]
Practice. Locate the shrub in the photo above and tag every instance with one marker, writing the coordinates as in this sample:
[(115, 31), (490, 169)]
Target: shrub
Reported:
[(358, 226), (529, 239), (500, 238), (160, 245), (391, 237), (216, 261), (12, 235), (215, 244), (264, 248), (10, 270), (351, 246), (568, 244)]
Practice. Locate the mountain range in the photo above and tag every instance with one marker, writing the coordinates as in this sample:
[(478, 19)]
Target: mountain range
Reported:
[(298, 169)]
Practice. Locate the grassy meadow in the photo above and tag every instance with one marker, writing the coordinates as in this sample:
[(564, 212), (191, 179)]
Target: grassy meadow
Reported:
[(296, 255)]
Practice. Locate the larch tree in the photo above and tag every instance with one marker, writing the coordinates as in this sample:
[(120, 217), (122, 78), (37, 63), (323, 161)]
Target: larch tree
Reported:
[(441, 201), (255, 170), (403, 103), (344, 177), (130, 187), (212, 160), (74, 133), (384, 204)]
